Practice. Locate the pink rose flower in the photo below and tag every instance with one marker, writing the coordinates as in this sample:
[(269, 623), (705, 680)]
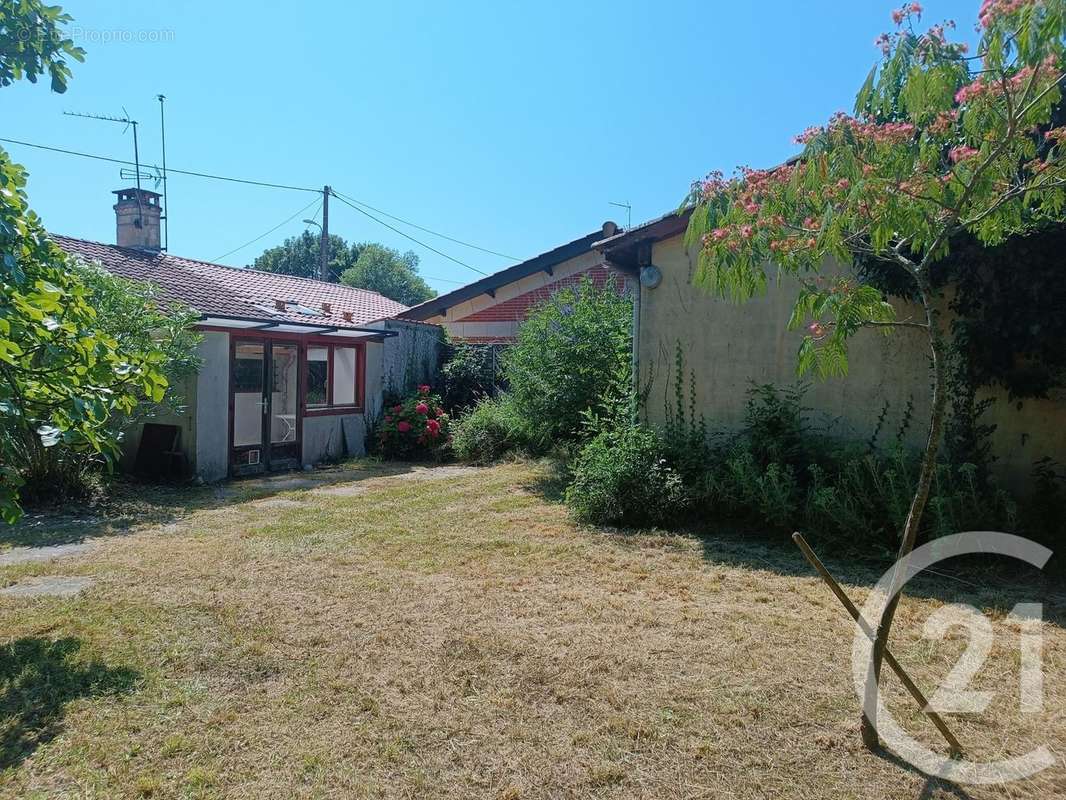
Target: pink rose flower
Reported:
[(423, 389), (422, 409), (403, 426)]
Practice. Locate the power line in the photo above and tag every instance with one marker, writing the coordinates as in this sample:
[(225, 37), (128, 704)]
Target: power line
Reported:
[(407, 236), (169, 169), (260, 236), (351, 202), (427, 230)]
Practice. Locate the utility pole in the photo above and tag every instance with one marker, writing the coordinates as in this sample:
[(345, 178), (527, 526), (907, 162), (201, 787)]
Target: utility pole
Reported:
[(323, 247)]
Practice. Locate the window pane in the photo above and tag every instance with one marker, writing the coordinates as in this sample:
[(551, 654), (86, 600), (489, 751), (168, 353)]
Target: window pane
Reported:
[(317, 376), (247, 394), (344, 376), (283, 395)]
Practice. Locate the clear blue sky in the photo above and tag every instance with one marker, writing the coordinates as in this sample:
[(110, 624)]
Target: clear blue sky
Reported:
[(511, 125)]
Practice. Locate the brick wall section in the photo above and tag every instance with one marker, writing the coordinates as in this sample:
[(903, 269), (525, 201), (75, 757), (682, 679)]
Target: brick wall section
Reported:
[(517, 308)]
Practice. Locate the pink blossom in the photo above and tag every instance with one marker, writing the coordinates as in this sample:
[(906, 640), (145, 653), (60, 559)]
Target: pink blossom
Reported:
[(961, 153), (422, 409), (809, 134), (403, 426), (816, 329), (388, 418), (423, 389), (747, 231), (719, 234), (843, 184), (397, 409), (898, 15), (433, 427)]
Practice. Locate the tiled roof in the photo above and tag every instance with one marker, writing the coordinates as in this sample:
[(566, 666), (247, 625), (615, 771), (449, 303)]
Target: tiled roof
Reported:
[(217, 290)]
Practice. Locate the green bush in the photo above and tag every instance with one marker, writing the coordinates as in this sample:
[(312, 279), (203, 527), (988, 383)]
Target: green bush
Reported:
[(622, 477), (491, 429), (781, 473), (570, 354), (468, 375)]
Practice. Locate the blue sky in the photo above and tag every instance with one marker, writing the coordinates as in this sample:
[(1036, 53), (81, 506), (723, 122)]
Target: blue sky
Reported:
[(509, 125)]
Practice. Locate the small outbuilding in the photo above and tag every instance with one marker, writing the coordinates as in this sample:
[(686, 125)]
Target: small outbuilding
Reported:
[(293, 369)]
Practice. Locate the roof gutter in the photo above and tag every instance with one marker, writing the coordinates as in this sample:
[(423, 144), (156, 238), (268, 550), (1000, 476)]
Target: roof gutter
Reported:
[(267, 325)]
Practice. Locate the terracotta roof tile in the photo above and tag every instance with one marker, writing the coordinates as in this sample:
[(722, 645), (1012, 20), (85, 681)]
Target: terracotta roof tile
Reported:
[(214, 289)]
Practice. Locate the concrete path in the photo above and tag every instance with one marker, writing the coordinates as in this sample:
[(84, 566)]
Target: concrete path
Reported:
[(26, 555), (47, 586)]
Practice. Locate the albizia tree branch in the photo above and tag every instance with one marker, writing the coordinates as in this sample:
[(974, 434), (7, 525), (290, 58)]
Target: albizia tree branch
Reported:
[(939, 143)]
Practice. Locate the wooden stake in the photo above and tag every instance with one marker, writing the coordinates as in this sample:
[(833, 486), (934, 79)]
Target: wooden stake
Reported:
[(852, 609)]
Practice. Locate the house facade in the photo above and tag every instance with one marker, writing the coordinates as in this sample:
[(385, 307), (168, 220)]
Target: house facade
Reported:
[(727, 347), (489, 311), (293, 370)]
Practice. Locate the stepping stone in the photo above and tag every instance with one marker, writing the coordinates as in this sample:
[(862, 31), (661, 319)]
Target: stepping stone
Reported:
[(25, 555), (277, 502), (47, 586)]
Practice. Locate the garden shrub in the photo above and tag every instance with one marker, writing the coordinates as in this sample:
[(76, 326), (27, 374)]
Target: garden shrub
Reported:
[(568, 354), (136, 321), (469, 374), (414, 428), (490, 430), (781, 473), (622, 477)]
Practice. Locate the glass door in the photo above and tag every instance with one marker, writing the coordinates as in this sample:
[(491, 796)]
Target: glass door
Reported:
[(249, 407), (282, 411)]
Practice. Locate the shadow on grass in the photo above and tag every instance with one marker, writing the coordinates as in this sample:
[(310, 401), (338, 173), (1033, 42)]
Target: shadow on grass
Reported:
[(990, 584), (933, 787), (132, 504), (38, 678)]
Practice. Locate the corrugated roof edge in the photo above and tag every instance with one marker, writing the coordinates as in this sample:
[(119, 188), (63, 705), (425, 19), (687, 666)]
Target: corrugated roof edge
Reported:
[(549, 258)]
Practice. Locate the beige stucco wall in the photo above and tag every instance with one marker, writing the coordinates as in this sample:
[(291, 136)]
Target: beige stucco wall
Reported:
[(729, 346), (452, 323)]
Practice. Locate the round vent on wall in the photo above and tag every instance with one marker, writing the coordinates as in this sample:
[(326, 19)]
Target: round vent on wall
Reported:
[(650, 276)]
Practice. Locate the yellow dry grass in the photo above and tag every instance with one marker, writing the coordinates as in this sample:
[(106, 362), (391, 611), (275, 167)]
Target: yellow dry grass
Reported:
[(462, 637)]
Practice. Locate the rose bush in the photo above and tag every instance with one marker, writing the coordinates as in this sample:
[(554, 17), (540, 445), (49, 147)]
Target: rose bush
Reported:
[(415, 427)]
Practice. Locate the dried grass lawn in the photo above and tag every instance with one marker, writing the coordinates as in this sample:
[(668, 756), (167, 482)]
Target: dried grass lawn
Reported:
[(458, 636)]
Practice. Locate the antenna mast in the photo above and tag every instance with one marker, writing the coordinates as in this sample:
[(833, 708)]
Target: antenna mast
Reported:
[(125, 120), (629, 212), (163, 138)]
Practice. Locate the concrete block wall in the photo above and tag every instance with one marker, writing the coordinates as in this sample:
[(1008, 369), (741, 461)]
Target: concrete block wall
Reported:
[(728, 346)]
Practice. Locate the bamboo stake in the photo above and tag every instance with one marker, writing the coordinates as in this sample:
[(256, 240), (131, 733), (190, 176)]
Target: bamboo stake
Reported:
[(915, 692)]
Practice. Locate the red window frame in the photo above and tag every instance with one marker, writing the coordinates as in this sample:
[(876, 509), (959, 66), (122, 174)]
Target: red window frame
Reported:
[(360, 378)]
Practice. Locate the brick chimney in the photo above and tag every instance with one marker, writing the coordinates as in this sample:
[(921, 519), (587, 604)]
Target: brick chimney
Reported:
[(137, 215)]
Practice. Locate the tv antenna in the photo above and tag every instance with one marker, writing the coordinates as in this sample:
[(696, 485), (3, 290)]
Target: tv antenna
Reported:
[(124, 120), (629, 212), (163, 140)]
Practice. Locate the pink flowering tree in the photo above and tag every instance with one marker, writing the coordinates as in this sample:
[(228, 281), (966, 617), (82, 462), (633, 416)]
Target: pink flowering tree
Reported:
[(942, 142)]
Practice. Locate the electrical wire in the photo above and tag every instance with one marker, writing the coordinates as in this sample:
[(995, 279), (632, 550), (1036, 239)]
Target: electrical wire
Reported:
[(426, 230), (260, 236), (349, 201), (169, 169), (406, 235)]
